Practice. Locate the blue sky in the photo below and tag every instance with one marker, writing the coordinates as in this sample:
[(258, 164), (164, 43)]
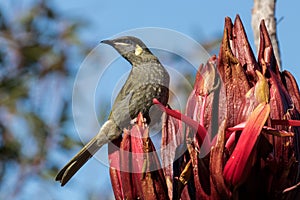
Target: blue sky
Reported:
[(201, 20)]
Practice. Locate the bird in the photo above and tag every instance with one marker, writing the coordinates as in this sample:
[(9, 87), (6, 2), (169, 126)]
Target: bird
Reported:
[(148, 79)]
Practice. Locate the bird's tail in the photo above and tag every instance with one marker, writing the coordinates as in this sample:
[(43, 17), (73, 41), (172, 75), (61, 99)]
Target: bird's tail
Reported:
[(66, 173)]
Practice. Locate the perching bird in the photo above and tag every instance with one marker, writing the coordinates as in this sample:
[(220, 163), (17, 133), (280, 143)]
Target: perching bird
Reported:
[(148, 79)]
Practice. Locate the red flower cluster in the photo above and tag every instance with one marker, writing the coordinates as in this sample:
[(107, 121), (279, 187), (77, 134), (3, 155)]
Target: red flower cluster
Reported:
[(241, 139)]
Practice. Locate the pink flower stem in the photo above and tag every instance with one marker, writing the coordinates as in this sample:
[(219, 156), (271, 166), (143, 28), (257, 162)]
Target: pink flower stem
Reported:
[(195, 125)]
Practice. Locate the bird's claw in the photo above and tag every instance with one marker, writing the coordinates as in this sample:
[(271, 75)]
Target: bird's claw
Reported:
[(133, 121), (139, 121)]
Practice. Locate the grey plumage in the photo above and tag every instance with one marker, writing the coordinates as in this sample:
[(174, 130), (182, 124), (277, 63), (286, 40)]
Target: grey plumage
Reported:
[(148, 79)]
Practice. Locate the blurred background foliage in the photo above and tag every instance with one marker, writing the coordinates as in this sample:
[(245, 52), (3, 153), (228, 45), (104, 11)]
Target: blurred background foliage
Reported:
[(38, 52)]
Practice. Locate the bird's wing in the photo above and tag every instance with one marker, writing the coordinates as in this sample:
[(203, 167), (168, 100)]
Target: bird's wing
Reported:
[(120, 110), (125, 90)]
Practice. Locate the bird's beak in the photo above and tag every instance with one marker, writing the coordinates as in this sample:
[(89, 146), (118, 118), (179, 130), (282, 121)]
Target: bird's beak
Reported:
[(109, 42)]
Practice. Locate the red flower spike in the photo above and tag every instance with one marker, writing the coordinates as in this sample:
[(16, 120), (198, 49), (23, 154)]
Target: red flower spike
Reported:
[(199, 108), (233, 101), (234, 80), (248, 105), (280, 100), (216, 164), (153, 182), (114, 171), (206, 78), (202, 106), (197, 164), (292, 88), (134, 166), (280, 103), (138, 158), (266, 50), (129, 191), (236, 168), (226, 45), (228, 28), (243, 51), (147, 175), (172, 137)]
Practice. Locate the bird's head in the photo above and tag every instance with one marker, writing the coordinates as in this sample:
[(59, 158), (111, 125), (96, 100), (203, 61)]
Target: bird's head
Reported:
[(132, 49)]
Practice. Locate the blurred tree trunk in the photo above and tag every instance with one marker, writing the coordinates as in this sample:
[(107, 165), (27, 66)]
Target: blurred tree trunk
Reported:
[(266, 10)]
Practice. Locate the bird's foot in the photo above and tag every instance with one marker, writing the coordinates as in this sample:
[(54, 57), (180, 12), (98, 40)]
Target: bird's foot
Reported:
[(133, 121), (139, 120)]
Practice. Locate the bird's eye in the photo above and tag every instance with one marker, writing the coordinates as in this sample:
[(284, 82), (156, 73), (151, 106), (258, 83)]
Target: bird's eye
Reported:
[(138, 50)]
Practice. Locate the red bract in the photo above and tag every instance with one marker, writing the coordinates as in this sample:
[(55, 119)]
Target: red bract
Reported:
[(138, 175), (292, 88), (239, 163), (169, 143), (241, 138)]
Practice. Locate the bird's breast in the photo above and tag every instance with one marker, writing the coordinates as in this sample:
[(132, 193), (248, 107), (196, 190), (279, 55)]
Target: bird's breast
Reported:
[(152, 81), (151, 73), (143, 84)]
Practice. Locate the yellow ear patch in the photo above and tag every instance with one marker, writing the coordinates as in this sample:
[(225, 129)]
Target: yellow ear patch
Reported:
[(138, 50)]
